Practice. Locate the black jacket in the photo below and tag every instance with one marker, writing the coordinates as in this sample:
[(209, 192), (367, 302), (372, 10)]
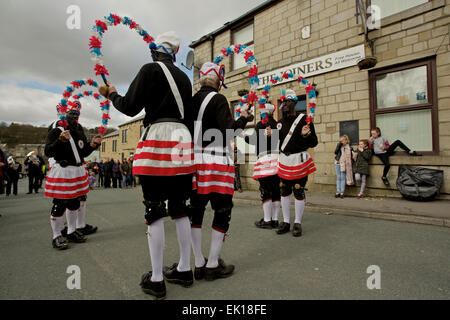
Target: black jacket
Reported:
[(60, 150), (259, 134), (151, 90), (217, 115), (298, 143), (14, 174)]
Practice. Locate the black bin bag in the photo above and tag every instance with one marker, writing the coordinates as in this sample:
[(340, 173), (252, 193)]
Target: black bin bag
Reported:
[(419, 184)]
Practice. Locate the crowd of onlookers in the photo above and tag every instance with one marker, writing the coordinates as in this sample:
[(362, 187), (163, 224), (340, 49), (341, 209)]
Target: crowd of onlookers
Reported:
[(107, 174), (11, 171), (111, 173)]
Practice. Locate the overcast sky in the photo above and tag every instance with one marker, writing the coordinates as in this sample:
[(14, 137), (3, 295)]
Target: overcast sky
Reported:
[(40, 56)]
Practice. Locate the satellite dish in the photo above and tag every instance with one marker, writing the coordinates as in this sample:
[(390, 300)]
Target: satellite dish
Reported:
[(189, 60)]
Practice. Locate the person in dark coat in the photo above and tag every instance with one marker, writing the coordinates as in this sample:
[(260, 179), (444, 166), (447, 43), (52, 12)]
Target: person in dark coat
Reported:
[(34, 171), (13, 170), (3, 166), (362, 156)]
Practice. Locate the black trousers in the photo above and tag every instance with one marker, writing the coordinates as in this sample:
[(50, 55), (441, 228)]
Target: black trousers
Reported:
[(175, 189), (384, 157), (296, 186), (220, 203), (269, 187), (12, 183), (33, 183), (100, 180), (107, 181)]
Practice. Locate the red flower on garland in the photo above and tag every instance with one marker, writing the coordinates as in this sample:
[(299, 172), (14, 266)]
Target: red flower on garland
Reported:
[(312, 105), (237, 48), (96, 95), (90, 82), (100, 70), (116, 18), (285, 75), (76, 97), (104, 103), (148, 38), (63, 123), (75, 84), (224, 52), (309, 119), (247, 55), (252, 97), (265, 93), (94, 42), (273, 81), (282, 98), (105, 116), (86, 93), (309, 88), (101, 130), (300, 78), (101, 24), (67, 94), (253, 71), (133, 25)]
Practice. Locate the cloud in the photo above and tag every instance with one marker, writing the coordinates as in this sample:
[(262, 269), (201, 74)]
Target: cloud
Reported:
[(40, 54)]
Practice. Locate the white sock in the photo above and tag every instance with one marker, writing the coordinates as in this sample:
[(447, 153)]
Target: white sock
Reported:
[(81, 216), (216, 246), (156, 237), (286, 207), (184, 241), (196, 239), (57, 224), (275, 210), (71, 216), (299, 208), (267, 207)]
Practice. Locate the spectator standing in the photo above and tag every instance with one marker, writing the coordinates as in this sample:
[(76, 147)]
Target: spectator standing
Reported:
[(13, 170), (3, 167), (362, 157), (100, 174), (343, 165), (116, 176)]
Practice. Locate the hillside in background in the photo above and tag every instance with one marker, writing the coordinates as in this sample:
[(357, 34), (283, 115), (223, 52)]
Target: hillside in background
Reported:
[(17, 133)]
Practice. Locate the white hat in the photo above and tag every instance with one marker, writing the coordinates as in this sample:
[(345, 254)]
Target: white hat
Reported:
[(269, 108), (210, 70), (30, 153), (213, 71), (167, 42), (290, 94)]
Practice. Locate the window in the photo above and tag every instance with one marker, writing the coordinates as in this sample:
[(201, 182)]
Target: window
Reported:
[(124, 136), (114, 146), (389, 7), (243, 35), (403, 104), (103, 146)]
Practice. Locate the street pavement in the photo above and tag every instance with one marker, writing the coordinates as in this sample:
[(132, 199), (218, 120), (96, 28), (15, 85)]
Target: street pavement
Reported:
[(329, 261)]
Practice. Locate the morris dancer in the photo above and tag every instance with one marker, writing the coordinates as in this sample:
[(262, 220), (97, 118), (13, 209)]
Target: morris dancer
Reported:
[(215, 170), (295, 163), (265, 170), (164, 156), (67, 180)]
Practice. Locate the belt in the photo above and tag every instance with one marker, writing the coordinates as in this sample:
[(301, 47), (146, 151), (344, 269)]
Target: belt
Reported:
[(65, 163)]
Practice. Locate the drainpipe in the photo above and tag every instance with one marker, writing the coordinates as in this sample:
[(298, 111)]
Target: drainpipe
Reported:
[(212, 38)]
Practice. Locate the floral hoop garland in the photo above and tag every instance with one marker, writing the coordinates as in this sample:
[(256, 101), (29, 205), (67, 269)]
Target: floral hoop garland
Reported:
[(69, 93), (253, 79), (95, 42), (309, 88)]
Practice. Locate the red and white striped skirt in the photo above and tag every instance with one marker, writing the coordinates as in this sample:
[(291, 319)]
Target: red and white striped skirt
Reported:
[(66, 183), (166, 151), (215, 171), (295, 166), (267, 165)]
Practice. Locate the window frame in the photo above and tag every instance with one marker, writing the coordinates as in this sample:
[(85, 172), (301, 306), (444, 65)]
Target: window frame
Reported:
[(124, 135), (431, 104), (237, 29), (369, 3)]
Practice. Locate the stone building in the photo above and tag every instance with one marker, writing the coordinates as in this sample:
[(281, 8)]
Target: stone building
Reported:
[(122, 144), (406, 94)]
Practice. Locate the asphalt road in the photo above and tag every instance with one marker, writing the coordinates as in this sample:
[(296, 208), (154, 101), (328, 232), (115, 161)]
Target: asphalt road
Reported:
[(329, 261)]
